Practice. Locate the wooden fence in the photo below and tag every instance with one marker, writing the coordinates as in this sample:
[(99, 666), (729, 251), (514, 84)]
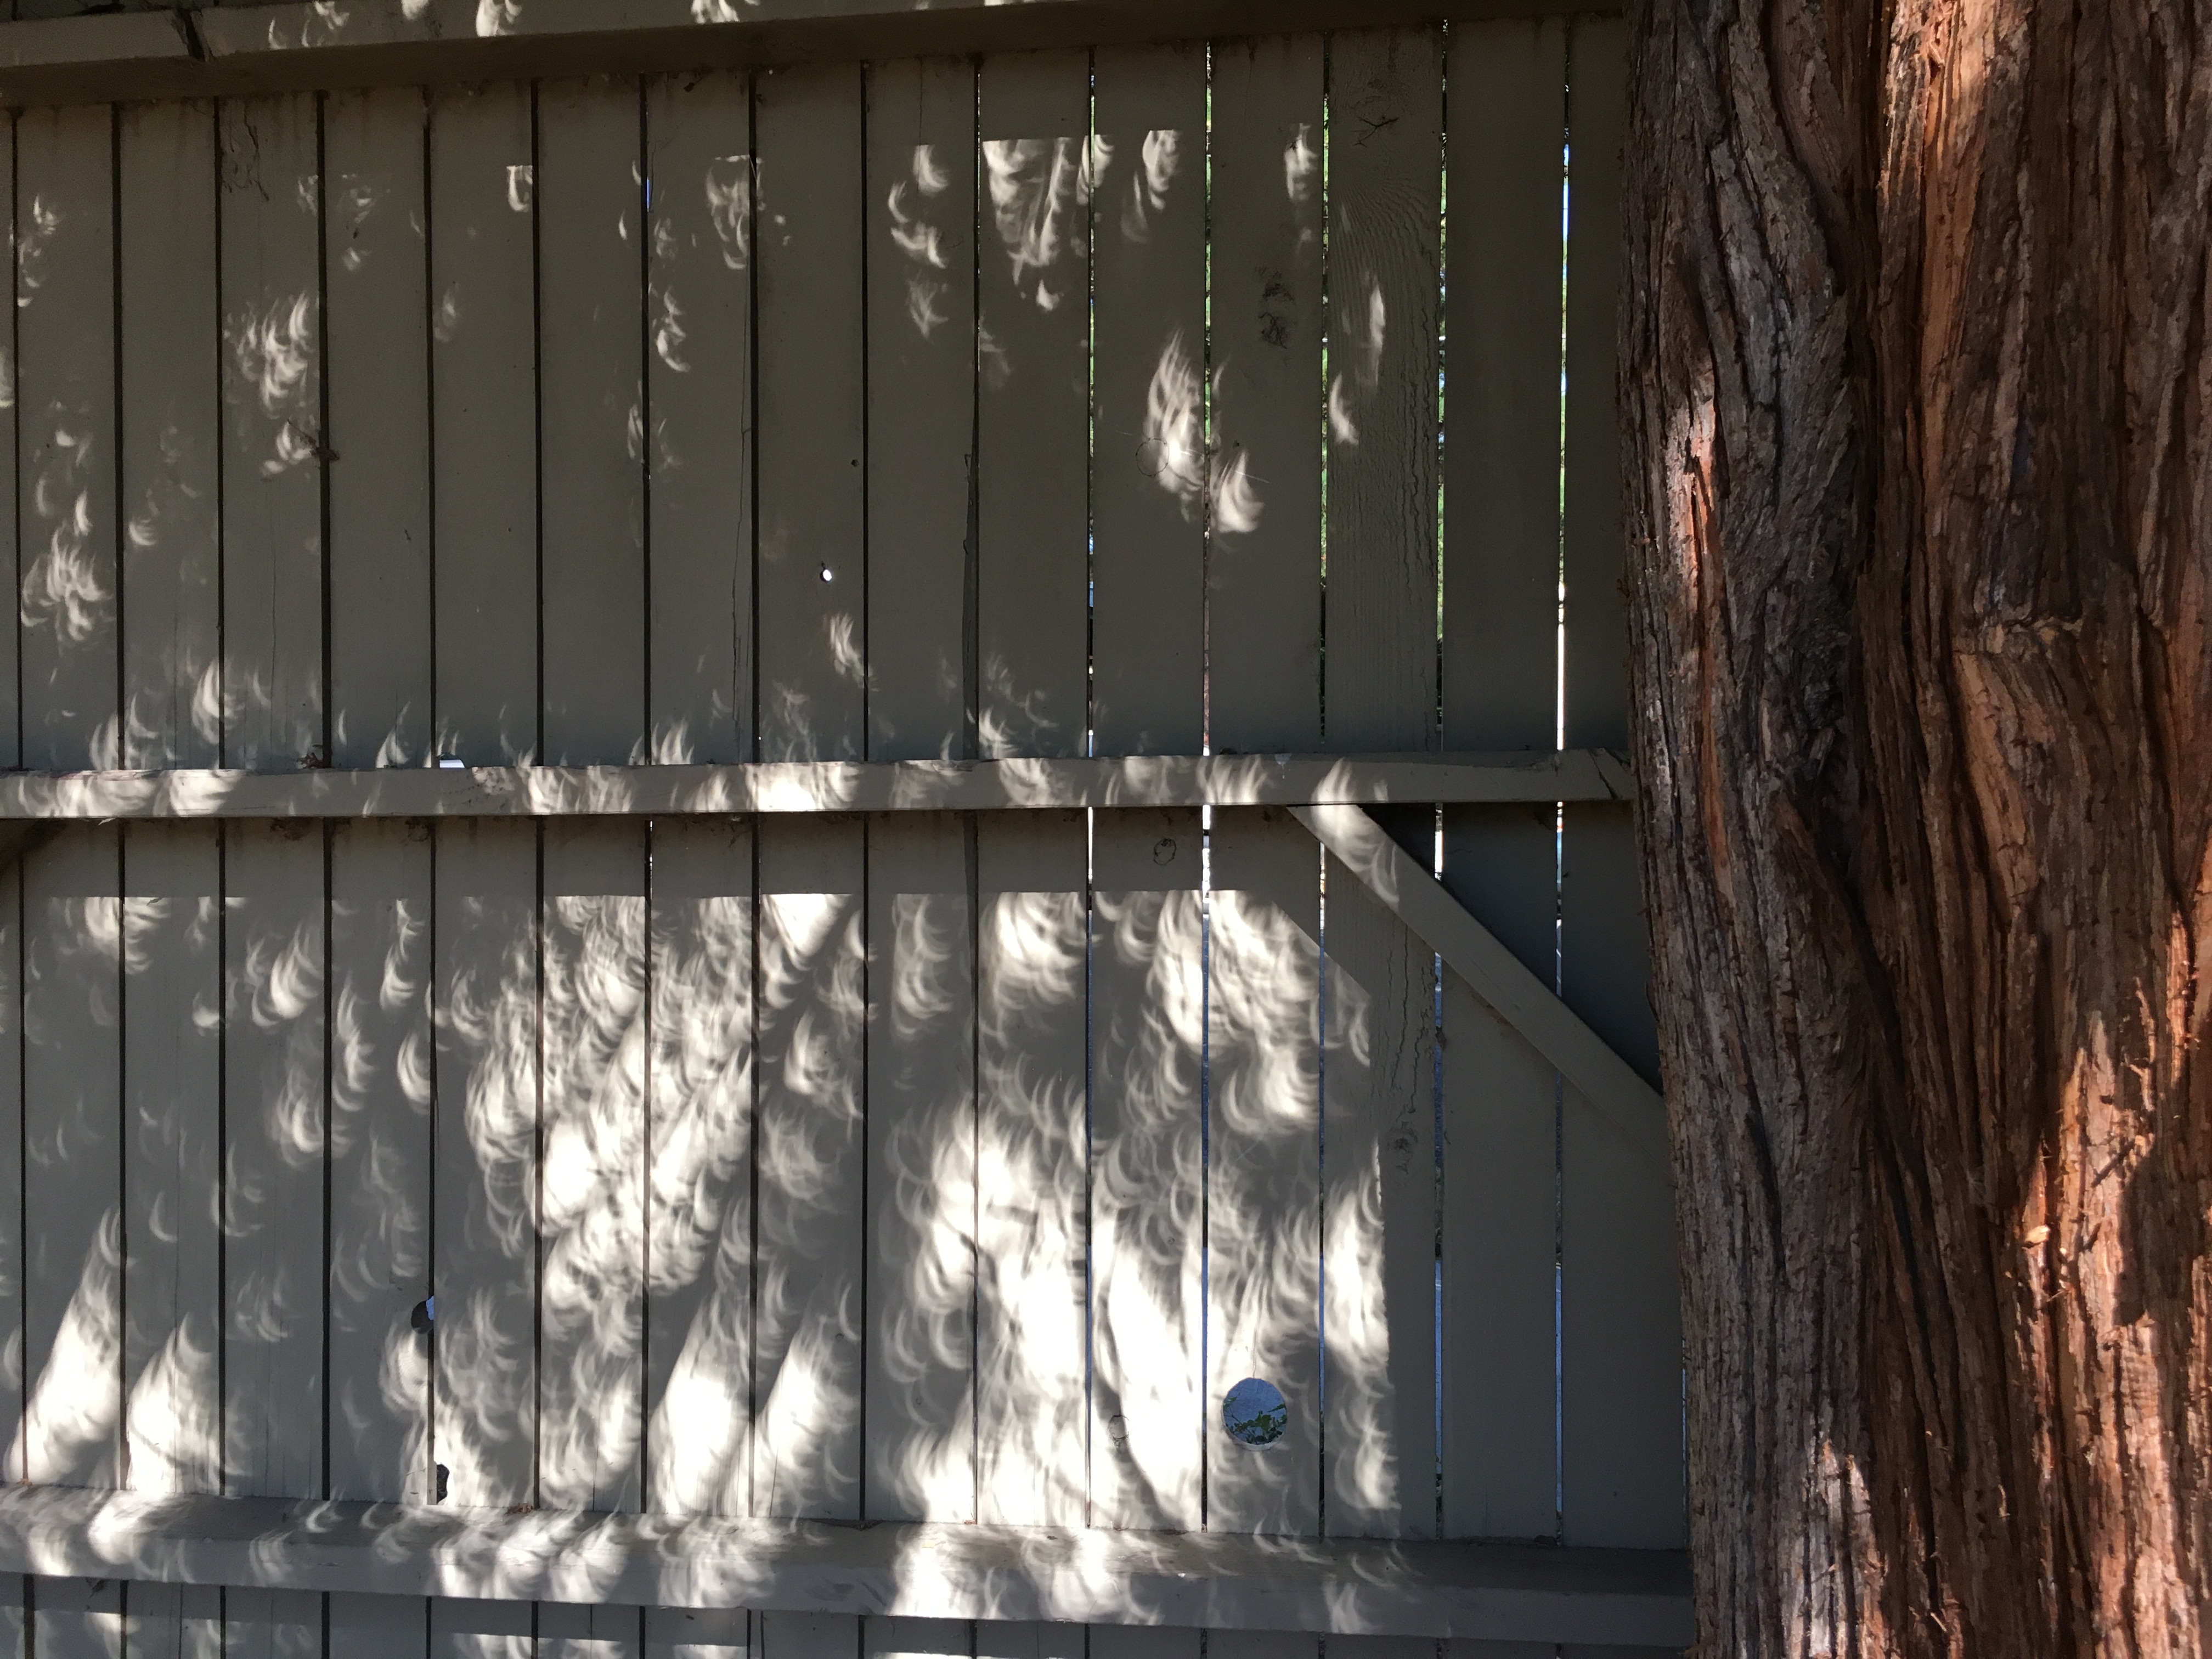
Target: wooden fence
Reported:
[(930, 1166)]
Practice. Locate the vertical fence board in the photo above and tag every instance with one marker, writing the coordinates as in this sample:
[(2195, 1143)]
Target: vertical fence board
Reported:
[(11, 544), (65, 489), (1385, 99), (813, 566), (995, 1640), (808, 1635), (592, 1295), (378, 1627), (77, 1618), (699, 384), (571, 1630), (273, 448), (916, 1639), (1032, 1178), (483, 1377), (921, 1171), (1263, 625), (1032, 563), (813, 971), (1149, 473), (1147, 1450), (274, 1123), (922, 407), (380, 1159), (1263, 1177), (1501, 550), (12, 1141), (696, 1633), (1620, 1336), (1379, 1221), (482, 1630), (173, 1086), (592, 421), (172, 1621), (260, 1624), (484, 423), (72, 1128), (172, 379), (379, 375), (699, 1222)]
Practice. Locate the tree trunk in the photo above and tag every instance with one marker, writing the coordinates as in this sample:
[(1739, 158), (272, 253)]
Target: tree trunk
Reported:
[(1915, 369)]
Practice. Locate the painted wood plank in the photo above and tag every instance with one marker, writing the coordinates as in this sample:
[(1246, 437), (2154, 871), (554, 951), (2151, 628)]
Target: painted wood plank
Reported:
[(72, 1146), (1033, 391), (797, 786), (379, 1627), (1501, 1196), (699, 150), (274, 1128), (1032, 1171), (271, 1624), (484, 396), (591, 1233), (381, 1067), (807, 1370), (688, 1633), (1386, 102), (1264, 616), (65, 490), (1621, 1320), (813, 567), (592, 419), (1189, 1581), (570, 1629), (1143, 1642), (699, 1224), (1150, 471), (1147, 1174), (916, 1639), (485, 1225), (1477, 954), (1501, 532), (77, 1618), (11, 472), (998, 1640), (1261, 1645), (808, 1636), (172, 1621), (482, 1630), (1596, 673), (273, 448), (1263, 1173), (12, 1239), (1501, 552), (171, 369), (1379, 1218), (376, 267), (921, 1419), (173, 1017), (921, 408)]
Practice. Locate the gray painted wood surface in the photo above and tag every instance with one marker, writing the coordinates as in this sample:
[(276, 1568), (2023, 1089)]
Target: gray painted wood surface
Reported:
[(941, 1162)]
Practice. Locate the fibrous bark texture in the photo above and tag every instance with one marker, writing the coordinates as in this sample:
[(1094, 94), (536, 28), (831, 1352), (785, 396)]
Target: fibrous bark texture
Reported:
[(1915, 377)]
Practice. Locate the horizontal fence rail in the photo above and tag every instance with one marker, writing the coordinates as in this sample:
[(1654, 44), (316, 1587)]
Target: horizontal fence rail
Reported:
[(800, 786)]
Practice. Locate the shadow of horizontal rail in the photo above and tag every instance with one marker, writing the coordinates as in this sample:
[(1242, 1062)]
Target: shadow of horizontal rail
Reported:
[(1215, 1581), (1574, 775)]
